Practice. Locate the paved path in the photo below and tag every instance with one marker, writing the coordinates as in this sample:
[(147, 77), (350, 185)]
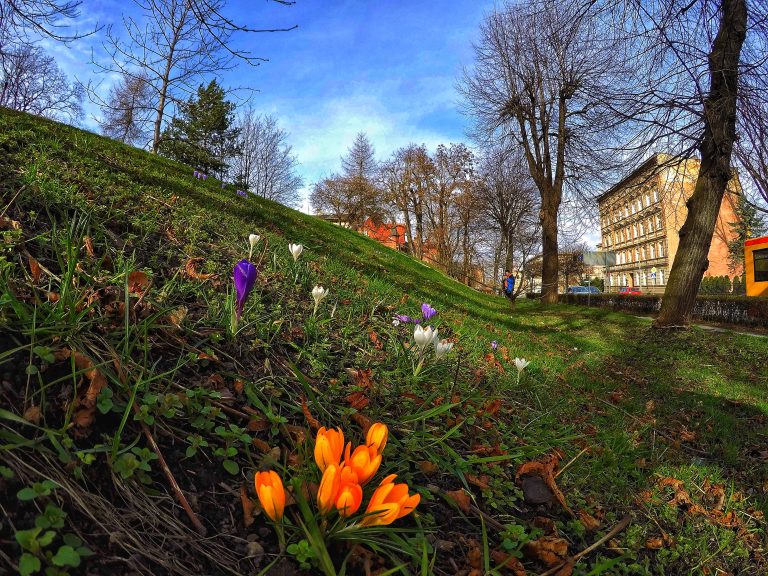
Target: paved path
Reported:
[(719, 329)]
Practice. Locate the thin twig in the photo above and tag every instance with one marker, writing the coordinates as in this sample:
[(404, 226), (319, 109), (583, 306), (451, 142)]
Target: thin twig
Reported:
[(564, 468), (623, 523), (174, 485)]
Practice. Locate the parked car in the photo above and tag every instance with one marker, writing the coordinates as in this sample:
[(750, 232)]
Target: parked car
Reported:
[(582, 290), (631, 290)]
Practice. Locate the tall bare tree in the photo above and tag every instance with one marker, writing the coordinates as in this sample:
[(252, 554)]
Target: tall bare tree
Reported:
[(175, 45), (31, 81), (266, 165), (128, 109), (21, 20), (540, 70)]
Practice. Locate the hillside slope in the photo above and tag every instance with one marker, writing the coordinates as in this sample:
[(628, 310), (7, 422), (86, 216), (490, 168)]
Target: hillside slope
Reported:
[(116, 349)]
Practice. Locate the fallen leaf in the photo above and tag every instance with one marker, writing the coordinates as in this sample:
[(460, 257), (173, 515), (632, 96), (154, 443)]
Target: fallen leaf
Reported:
[(88, 245), (313, 422), (33, 414), (248, 507), (427, 467), (191, 269), (262, 446), (479, 481), (589, 522), (566, 569), (549, 550), (138, 282), (508, 563), (363, 421), (53, 297), (654, 543), (547, 525), (460, 498), (96, 378), (474, 554), (360, 377), (358, 400), (8, 224), (375, 340), (34, 269), (544, 469), (177, 316), (257, 424), (239, 386)]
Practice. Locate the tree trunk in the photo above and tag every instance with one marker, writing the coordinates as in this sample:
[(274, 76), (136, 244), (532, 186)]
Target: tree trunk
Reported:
[(549, 254), (715, 171)]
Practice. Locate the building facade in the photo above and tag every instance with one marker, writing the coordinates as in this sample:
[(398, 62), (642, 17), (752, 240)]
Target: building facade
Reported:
[(640, 221)]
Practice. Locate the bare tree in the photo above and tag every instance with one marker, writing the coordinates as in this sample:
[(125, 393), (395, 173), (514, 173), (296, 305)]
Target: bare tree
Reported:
[(31, 81), (174, 46), (540, 70), (20, 19), (266, 165), (128, 109), (510, 203)]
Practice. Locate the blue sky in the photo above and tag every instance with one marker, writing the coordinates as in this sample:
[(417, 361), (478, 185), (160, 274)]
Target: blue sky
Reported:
[(387, 68)]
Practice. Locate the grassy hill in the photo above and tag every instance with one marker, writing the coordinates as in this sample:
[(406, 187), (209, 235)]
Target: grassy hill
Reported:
[(116, 350)]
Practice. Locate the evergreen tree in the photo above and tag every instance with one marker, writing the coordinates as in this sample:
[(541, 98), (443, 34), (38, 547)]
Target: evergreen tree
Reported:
[(202, 135), (749, 224)]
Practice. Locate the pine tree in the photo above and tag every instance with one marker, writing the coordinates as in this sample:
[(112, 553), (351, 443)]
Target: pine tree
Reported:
[(202, 135), (748, 224)]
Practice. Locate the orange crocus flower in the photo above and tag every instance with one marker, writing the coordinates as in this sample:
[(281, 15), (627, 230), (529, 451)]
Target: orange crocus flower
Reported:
[(350, 494), (389, 502), (269, 489), (377, 437), (329, 488), (364, 462), (329, 445)]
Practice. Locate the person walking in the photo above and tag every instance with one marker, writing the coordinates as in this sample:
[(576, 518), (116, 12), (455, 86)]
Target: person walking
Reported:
[(508, 284)]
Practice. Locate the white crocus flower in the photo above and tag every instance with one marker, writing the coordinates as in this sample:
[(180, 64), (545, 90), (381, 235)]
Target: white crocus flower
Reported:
[(424, 336), (296, 250), (252, 240), (395, 322), (319, 293), (521, 363), (442, 348)]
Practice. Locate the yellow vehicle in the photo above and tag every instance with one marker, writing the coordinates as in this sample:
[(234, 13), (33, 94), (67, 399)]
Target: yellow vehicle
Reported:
[(756, 266)]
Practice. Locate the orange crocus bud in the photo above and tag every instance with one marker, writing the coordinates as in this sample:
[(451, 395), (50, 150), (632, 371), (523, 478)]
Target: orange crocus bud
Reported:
[(269, 489), (329, 488), (377, 437), (363, 461), (350, 494), (329, 445), (389, 502)]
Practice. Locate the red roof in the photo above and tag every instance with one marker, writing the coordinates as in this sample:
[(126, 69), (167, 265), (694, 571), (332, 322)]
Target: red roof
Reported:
[(384, 232), (753, 241)]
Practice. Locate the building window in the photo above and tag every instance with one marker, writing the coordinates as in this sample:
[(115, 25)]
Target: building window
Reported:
[(650, 225), (661, 277), (661, 250), (637, 254), (655, 195), (761, 265), (642, 229), (658, 222), (647, 199), (653, 252)]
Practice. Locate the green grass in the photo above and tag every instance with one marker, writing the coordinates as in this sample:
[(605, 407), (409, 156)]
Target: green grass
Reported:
[(630, 405)]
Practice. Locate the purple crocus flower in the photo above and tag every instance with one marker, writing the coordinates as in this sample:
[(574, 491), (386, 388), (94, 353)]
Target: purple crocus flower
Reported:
[(223, 185), (241, 193), (195, 173), (244, 275), (427, 311), (494, 345), (204, 176), (403, 318)]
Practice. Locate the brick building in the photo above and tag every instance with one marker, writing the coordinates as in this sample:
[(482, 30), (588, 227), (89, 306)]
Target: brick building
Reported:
[(640, 220)]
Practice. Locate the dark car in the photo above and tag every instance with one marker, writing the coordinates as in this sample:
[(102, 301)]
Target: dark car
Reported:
[(631, 290), (582, 290)]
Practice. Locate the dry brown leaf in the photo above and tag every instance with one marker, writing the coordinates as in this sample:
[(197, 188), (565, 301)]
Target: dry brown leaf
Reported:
[(358, 400), (508, 563), (8, 224), (262, 446), (566, 569), (313, 422), (33, 414), (545, 469), (363, 421), (258, 424), (427, 467), (360, 377), (547, 525), (375, 340), (191, 269), (138, 282), (248, 507), (461, 498), (654, 543), (88, 245), (480, 481), (97, 379), (549, 550), (474, 554), (176, 317), (239, 386), (34, 269), (589, 522), (53, 297)]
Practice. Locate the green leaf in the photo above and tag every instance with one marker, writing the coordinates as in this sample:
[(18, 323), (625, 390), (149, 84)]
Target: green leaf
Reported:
[(191, 451), (28, 564), (71, 540), (31, 370), (26, 494), (46, 538), (6, 472), (66, 556), (27, 538), (231, 466)]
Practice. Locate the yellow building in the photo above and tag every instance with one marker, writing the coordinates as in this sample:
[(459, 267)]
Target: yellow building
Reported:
[(756, 266), (640, 221)]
